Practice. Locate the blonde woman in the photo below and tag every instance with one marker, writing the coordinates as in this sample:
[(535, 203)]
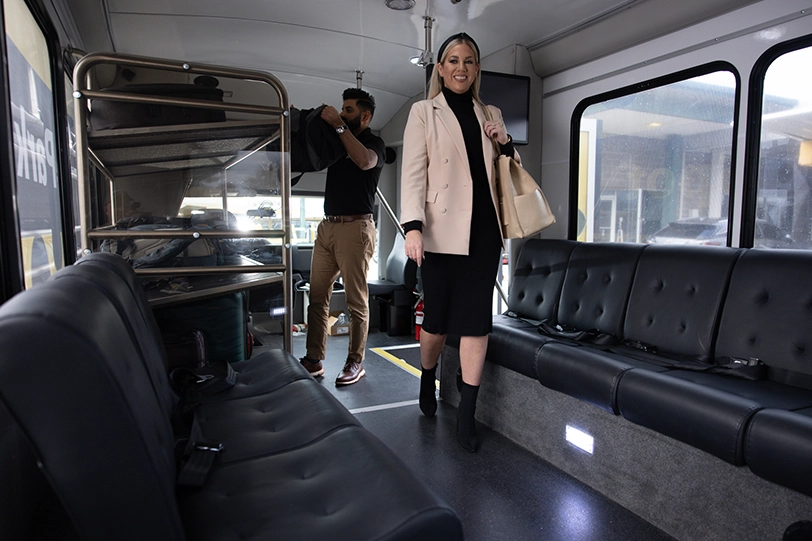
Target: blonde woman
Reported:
[(449, 212)]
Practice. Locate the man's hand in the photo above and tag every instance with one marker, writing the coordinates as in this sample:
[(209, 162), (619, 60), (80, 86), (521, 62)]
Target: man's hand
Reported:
[(330, 115)]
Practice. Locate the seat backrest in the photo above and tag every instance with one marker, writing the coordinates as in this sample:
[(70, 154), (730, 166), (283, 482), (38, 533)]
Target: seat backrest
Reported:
[(106, 267), (114, 278), (73, 381), (676, 298), (301, 257), (399, 268), (768, 313), (535, 287), (25, 496), (597, 286)]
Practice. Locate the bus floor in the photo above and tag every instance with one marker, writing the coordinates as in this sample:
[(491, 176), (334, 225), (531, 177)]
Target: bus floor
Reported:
[(502, 492)]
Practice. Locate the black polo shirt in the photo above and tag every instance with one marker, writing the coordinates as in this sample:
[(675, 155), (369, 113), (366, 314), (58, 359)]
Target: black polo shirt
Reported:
[(350, 190)]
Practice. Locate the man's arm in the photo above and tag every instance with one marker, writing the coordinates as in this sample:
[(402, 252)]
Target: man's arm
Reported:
[(362, 156)]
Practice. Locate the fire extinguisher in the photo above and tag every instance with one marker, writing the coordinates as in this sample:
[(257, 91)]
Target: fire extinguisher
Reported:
[(418, 317)]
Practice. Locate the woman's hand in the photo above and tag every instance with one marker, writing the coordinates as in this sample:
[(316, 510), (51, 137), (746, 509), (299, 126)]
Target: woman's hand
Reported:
[(414, 246), (496, 130)]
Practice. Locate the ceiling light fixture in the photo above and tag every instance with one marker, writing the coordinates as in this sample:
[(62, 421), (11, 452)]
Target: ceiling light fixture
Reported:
[(425, 57), (400, 5)]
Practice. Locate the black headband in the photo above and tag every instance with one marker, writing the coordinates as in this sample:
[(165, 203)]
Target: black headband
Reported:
[(461, 35)]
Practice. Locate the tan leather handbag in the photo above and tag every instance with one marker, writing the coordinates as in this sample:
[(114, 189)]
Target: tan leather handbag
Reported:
[(523, 209)]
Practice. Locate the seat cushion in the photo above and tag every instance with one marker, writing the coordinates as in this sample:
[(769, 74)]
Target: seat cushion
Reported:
[(286, 418), (768, 394), (261, 374), (514, 343), (586, 373), (339, 488), (777, 448), (709, 419)]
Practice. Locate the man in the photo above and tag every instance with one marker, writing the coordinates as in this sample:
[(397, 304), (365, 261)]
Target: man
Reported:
[(345, 239)]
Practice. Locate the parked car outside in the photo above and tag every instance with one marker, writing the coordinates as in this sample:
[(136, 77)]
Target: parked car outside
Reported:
[(713, 232)]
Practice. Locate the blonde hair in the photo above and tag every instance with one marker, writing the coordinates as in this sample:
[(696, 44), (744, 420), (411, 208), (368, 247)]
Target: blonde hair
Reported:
[(436, 82)]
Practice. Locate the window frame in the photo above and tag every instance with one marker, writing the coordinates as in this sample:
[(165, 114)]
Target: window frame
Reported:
[(12, 273), (649, 84), (752, 145)]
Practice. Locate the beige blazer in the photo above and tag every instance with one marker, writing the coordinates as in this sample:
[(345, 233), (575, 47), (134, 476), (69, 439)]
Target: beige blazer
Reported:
[(436, 184)]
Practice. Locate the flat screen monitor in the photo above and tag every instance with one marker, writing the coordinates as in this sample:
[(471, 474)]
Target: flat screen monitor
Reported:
[(511, 94)]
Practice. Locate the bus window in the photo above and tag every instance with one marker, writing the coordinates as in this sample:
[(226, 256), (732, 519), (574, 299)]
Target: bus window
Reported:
[(74, 173), (306, 212), (655, 157), (35, 155), (784, 200)]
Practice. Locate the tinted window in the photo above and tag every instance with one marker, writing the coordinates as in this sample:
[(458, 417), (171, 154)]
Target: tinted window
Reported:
[(35, 155), (654, 155), (784, 197)]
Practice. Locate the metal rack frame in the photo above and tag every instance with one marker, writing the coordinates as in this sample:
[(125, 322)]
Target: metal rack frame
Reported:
[(103, 147)]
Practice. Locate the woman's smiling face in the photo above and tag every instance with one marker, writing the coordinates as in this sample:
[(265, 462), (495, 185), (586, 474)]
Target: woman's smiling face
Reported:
[(459, 69)]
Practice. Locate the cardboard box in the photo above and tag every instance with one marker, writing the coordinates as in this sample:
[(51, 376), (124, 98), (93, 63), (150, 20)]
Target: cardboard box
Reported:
[(336, 328)]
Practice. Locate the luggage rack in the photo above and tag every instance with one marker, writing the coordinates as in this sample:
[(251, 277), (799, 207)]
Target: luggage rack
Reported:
[(179, 146), (179, 161)]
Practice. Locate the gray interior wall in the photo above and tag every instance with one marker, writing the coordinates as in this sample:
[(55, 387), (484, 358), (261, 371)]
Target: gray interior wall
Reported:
[(738, 37)]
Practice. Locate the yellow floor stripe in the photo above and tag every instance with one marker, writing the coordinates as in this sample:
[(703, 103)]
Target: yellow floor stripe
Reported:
[(397, 361)]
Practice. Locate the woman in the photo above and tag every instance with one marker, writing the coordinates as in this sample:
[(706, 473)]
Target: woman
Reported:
[(449, 212)]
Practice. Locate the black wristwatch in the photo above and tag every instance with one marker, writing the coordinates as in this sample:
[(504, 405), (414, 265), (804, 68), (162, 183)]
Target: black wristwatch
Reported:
[(341, 129)]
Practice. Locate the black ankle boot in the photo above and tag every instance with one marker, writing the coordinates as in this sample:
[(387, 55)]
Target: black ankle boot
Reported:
[(428, 394), (466, 426)]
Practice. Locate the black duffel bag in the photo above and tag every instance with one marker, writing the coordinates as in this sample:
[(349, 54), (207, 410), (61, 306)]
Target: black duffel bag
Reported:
[(109, 114)]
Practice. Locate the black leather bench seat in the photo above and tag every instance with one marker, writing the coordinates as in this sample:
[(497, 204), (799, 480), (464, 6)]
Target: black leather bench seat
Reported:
[(83, 376), (707, 345), (272, 422), (321, 491), (589, 374)]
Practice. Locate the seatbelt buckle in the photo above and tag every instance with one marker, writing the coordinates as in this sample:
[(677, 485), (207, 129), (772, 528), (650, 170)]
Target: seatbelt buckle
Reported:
[(200, 460), (203, 377), (207, 446), (752, 361)]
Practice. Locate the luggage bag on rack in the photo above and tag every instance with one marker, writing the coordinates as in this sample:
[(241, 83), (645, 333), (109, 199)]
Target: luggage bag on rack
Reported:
[(108, 114), (223, 322)]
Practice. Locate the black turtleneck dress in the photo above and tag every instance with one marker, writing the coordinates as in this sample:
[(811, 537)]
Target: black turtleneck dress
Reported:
[(458, 289)]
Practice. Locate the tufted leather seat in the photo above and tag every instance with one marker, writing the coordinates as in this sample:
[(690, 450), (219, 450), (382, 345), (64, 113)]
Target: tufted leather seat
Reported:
[(594, 297), (665, 325), (95, 406), (534, 292)]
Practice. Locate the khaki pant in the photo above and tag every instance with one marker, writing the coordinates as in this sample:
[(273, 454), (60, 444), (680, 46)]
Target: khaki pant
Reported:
[(344, 248)]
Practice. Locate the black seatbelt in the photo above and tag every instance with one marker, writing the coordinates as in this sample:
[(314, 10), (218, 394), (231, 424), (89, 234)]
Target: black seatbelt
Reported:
[(198, 458), (198, 454), (751, 369)]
